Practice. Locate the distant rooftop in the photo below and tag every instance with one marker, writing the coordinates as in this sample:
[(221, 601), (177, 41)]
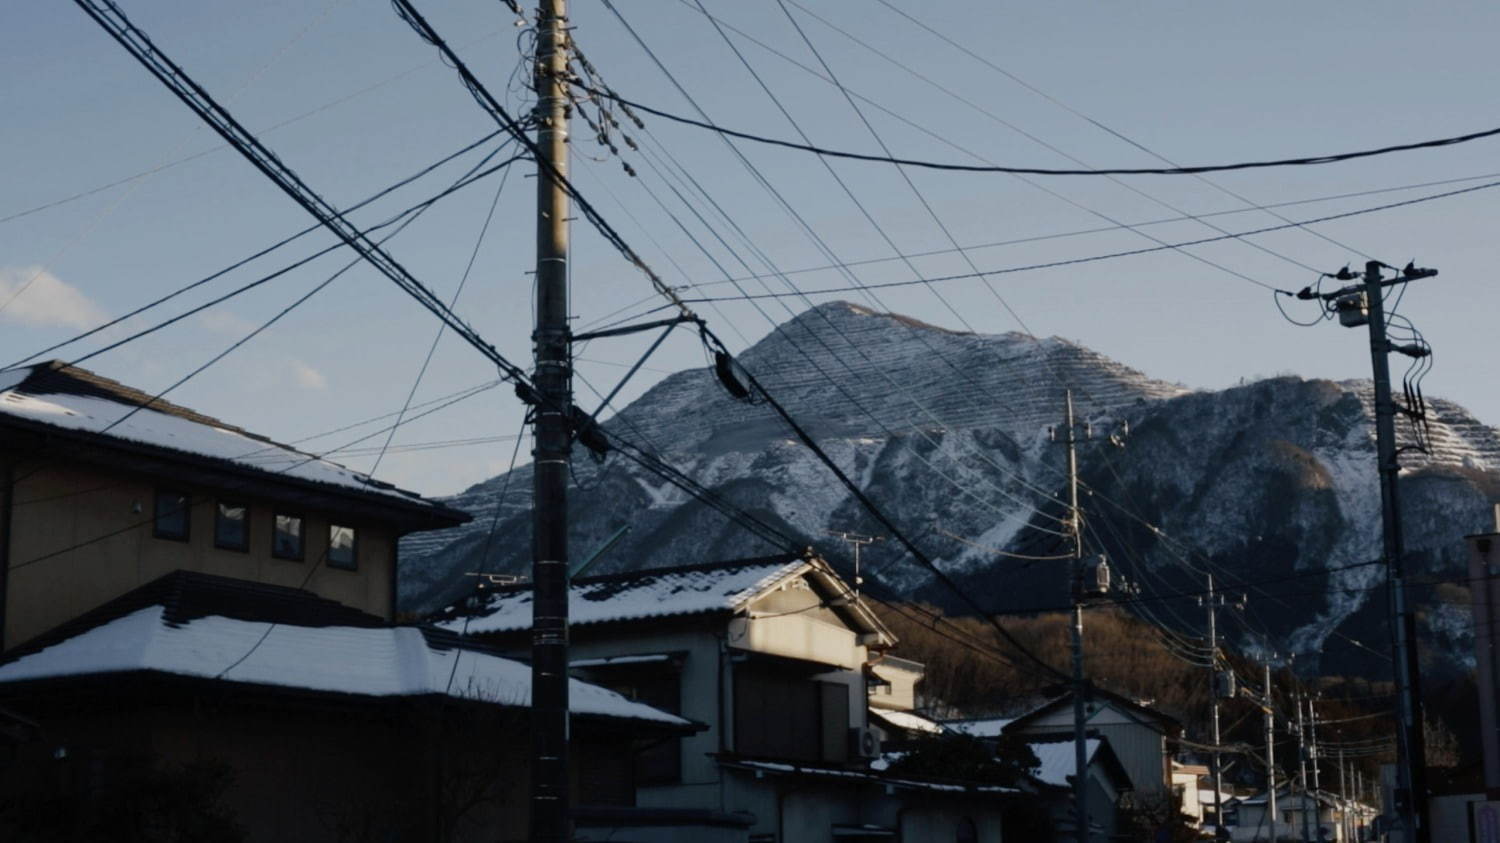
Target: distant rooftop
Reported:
[(58, 398), (636, 595)]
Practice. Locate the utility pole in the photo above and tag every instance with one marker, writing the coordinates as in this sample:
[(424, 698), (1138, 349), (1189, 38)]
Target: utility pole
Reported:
[(551, 816), (1302, 764), (1217, 690), (1075, 528), (1270, 717), (856, 541), (1363, 304), (1348, 830), (1313, 752), (1087, 582)]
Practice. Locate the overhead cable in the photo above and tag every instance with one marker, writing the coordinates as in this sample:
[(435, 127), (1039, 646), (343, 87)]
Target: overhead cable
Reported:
[(1114, 255), (1040, 171)]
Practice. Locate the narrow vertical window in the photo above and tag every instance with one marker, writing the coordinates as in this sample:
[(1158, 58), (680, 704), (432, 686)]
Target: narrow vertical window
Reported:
[(342, 547), (231, 526), (171, 515), (286, 537)]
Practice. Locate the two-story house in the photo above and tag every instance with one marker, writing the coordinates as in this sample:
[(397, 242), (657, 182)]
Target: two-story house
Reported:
[(780, 659), (200, 639)]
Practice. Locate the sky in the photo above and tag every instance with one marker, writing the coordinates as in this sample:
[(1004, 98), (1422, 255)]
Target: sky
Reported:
[(115, 194)]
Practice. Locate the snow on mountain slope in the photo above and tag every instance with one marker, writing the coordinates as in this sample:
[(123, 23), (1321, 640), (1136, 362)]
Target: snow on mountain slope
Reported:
[(948, 432)]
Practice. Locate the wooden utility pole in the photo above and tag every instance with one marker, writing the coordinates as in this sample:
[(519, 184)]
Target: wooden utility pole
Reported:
[(553, 379)]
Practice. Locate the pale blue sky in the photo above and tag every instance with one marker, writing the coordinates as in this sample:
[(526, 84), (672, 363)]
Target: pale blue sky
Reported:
[(1197, 82)]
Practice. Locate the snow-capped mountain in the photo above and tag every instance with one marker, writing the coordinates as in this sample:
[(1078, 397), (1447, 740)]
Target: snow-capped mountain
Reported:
[(1267, 484)]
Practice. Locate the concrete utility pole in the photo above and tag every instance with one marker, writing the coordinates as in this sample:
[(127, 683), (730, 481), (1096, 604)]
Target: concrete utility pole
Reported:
[(1302, 765), (552, 346), (1364, 304), (1075, 527), (1348, 830), (1265, 704), (1216, 691), (1413, 803)]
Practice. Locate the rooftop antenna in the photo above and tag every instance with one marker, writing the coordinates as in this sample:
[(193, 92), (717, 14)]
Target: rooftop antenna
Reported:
[(856, 541)]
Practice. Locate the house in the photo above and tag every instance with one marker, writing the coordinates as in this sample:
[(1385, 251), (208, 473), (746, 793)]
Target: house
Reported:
[(104, 489), (1138, 734), (1323, 813), (1192, 785), (200, 638), (793, 677), (324, 721)]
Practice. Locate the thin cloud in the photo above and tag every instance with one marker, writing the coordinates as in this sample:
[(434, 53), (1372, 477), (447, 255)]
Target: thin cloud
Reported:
[(37, 297), (307, 377)]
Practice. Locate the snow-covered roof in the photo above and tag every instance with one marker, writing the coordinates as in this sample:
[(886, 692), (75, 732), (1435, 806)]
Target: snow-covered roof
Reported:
[(664, 592), (908, 721), (1057, 761), (68, 398), (985, 727), (364, 661)]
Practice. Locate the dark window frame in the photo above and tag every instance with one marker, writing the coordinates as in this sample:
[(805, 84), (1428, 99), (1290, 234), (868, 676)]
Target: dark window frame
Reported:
[(219, 543), (353, 564), (301, 556), (186, 511)]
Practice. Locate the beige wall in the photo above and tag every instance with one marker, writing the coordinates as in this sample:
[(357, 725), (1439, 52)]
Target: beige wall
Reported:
[(102, 524)]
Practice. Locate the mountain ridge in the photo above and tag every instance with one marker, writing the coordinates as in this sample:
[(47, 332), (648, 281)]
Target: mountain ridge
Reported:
[(947, 431)]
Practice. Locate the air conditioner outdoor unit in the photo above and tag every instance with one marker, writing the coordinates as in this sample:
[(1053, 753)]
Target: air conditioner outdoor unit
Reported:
[(864, 743)]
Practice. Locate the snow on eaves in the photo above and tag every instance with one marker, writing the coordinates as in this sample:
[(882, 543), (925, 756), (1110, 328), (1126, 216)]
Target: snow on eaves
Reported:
[(375, 662), (908, 721), (107, 418), (643, 594), (988, 727)]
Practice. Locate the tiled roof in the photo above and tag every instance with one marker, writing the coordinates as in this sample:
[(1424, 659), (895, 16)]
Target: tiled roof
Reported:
[(280, 637), (70, 399), (663, 592)]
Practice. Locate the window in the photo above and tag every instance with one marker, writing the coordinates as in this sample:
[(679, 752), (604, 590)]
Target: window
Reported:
[(171, 515), (660, 763), (286, 537), (231, 526), (342, 547), (777, 715)]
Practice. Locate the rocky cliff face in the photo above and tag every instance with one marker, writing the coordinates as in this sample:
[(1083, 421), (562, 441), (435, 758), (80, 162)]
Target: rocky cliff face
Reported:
[(1271, 485)]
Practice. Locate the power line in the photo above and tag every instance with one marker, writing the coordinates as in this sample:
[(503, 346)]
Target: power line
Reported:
[(205, 152), (1040, 171), (108, 15), (453, 302), (263, 252), (1103, 229), (1113, 255), (819, 243), (406, 215), (1097, 123)]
